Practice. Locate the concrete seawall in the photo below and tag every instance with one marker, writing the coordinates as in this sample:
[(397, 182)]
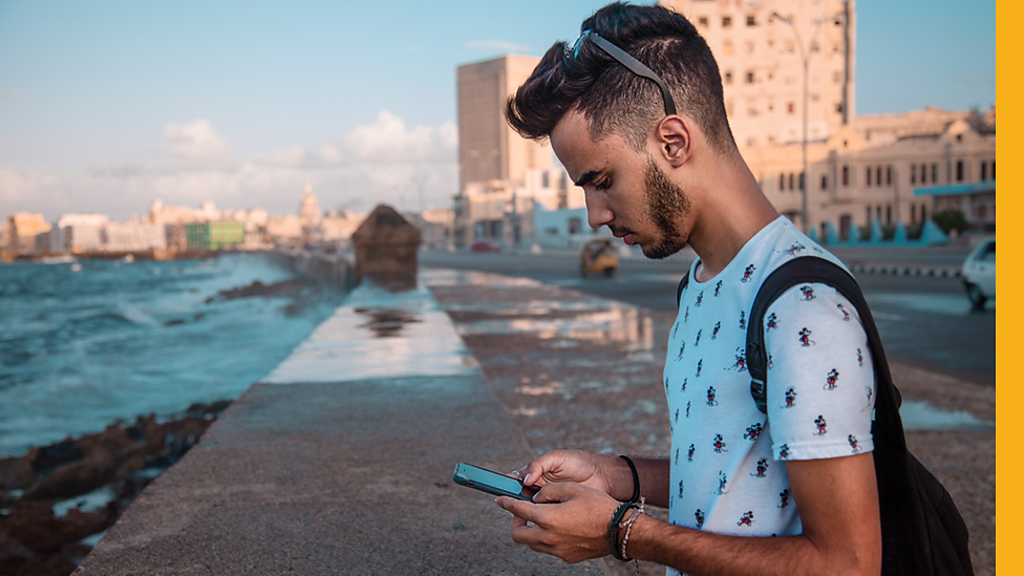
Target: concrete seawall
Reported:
[(340, 462), (336, 270)]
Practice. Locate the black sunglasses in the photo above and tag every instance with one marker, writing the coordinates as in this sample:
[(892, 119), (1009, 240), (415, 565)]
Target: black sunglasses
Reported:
[(634, 65)]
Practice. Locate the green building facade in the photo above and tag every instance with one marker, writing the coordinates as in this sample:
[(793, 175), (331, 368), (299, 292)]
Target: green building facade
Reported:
[(214, 235)]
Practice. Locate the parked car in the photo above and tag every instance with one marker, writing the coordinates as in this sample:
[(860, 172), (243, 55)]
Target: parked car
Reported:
[(485, 246), (598, 257), (979, 273)]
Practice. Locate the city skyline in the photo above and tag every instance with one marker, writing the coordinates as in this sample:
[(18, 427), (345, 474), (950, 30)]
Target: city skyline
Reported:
[(111, 106)]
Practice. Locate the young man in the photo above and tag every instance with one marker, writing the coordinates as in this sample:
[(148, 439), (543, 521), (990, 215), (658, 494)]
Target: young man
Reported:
[(634, 111)]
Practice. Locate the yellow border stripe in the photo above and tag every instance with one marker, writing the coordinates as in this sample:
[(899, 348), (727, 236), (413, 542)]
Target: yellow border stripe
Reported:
[(1009, 334)]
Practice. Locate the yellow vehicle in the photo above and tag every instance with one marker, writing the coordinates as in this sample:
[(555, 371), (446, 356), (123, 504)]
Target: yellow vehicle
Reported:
[(598, 257)]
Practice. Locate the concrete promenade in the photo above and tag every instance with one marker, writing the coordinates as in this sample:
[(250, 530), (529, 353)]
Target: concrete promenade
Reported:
[(340, 460)]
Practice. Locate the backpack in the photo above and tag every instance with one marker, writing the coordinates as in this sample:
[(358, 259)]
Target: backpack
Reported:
[(922, 530)]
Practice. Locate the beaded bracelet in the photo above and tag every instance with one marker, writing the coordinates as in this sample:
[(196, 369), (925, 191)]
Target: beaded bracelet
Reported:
[(628, 525)]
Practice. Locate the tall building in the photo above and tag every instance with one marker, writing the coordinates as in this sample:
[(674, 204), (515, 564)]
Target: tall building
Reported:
[(488, 148), (760, 47), (502, 174)]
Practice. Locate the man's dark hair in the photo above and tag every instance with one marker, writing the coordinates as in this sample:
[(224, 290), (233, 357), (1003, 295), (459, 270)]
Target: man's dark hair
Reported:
[(609, 95)]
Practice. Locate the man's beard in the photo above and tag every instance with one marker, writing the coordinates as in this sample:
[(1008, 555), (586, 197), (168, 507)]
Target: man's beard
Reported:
[(666, 204)]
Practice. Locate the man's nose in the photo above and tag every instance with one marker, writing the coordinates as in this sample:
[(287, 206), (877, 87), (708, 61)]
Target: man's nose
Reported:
[(598, 213)]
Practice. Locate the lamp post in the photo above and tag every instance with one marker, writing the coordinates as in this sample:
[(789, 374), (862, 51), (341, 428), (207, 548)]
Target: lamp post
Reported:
[(805, 60)]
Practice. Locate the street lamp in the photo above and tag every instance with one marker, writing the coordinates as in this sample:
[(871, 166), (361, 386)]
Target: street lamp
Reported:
[(805, 59)]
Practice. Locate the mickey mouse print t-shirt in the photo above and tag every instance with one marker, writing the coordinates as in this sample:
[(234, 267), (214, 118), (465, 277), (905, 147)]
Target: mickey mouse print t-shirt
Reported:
[(728, 472)]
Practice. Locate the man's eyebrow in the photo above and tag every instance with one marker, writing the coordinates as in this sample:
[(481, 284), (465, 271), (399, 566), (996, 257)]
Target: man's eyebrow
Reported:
[(587, 178)]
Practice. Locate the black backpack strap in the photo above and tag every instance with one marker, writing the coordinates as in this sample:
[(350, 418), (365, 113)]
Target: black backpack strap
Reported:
[(811, 269), (923, 533), (682, 286)]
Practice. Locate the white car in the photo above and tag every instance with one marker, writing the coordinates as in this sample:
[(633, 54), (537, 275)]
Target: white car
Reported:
[(979, 273)]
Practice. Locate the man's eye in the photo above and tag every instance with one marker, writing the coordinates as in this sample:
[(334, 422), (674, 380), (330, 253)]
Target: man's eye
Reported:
[(602, 185)]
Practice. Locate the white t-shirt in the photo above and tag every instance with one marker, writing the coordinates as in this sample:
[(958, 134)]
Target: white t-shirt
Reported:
[(728, 474)]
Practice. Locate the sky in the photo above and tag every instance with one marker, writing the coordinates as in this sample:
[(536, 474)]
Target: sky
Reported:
[(106, 106)]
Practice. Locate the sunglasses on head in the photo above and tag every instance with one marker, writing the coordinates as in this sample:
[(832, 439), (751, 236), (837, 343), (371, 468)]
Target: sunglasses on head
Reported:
[(634, 65)]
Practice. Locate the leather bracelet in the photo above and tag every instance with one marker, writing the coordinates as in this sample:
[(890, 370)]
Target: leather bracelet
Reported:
[(636, 478), (613, 529)]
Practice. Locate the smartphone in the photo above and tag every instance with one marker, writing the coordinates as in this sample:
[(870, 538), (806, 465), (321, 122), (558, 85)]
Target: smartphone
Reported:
[(488, 481)]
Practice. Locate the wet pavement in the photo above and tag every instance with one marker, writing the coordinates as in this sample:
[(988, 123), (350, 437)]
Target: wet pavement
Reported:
[(340, 460), (580, 371)]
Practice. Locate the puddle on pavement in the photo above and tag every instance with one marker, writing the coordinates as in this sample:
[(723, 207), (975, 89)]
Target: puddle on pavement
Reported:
[(618, 324), (919, 415), (450, 277), (377, 334), (597, 319), (386, 322)]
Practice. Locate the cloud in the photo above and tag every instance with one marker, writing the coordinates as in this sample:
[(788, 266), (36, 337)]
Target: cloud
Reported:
[(388, 141), (497, 46), (382, 161), (196, 140)]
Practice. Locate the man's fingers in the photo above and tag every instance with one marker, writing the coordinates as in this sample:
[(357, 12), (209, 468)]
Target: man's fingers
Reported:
[(519, 508), (556, 492)]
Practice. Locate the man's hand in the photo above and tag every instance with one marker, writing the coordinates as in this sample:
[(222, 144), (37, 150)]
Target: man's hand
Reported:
[(569, 521), (566, 466)]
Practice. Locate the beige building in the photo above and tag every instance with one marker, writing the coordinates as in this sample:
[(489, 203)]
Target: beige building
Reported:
[(760, 47), (23, 229), (885, 168), (492, 156)]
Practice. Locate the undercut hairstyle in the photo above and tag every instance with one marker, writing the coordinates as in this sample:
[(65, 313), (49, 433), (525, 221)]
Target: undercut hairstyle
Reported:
[(611, 97)]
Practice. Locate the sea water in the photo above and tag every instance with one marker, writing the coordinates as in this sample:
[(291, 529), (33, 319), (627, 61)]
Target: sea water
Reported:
[(84, 344)]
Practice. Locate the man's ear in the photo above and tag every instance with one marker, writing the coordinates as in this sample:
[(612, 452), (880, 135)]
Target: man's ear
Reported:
[(674, 138)]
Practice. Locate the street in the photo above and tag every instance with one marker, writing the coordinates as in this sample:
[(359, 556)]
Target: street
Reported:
[(923, 321)]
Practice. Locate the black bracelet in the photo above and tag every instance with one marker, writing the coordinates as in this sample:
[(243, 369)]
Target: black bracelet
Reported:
[(613, 529), (636, 478)]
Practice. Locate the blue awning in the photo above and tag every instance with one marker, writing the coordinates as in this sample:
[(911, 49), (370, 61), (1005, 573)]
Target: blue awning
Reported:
[(986, 186)]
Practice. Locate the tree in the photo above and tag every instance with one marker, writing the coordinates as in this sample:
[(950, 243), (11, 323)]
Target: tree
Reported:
[(950, 220)]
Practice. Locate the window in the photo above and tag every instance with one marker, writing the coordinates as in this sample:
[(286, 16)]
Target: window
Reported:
[(545, 180), (575, 225), (993, 169), (913, 214), (726, 22), (888, 175), (802, 180), (750, 77), (923, 213), (846, 175), (790, 180), (984, 170), (703, 21), (878, 176), (782, 181), (878, 213), (751, 21), (789, 107), (867, 182), (913, 175), (839, 108), (924, 174), (888, 214), (959, 170), (935, 173), (824, 182), (727, 79), (869, 213)]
